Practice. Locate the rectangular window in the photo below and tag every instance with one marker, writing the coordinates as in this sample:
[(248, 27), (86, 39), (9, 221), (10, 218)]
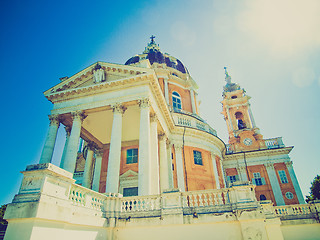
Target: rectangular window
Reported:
[(133, 191), (258, 180), (132, 155), (283, 176), (232, 179), (197, 157)]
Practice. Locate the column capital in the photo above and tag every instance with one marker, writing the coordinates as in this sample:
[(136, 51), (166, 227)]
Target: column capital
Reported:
[(68, 130), (78, 115), (144, 103), (177, 146), (91, 145), (289, 164), (118, 108), (98, 152), (269, 166), (153, 117), (162, 136), (241, 168), (54, 119)]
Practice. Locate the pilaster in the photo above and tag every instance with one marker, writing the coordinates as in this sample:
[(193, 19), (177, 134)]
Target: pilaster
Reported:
[(274, 184), (180, 166), (295, 182)]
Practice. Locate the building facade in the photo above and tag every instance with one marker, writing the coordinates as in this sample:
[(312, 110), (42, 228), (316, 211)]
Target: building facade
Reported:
[(138, 156)]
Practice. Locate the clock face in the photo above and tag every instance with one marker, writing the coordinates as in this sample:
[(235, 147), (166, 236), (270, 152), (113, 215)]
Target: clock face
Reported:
[(247, 141)]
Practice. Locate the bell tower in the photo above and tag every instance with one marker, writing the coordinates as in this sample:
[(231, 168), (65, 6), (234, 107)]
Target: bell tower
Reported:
[(243, 132)]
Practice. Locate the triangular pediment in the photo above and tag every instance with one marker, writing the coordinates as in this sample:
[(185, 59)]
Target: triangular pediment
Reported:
[(87, 77), (129, 174)]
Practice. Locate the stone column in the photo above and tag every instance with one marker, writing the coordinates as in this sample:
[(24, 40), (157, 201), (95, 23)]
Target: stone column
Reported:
[(87, 175), (144, 175), (164, 165), (48, 147), (112, 184), (169, 160), (166, 90), (73, 143), (155, 184), (215, 170), (242, 171), (295, 182), (180, 168), (97, 171), (274, 184), (68, 131), (193, 102)]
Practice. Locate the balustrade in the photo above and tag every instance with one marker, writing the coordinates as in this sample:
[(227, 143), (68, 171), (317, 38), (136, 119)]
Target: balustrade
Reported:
[(206, 198), (292, 210), (274, 143), (192, 121), (140, 203), (82, 196)]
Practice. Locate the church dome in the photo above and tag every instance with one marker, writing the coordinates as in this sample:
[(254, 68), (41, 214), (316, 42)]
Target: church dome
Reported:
[(153, 53)]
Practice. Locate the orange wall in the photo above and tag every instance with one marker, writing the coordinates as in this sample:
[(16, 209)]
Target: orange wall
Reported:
[(199, 177), (184, 94), (263, 189), (123, 166), (161, 83), (286, 187)]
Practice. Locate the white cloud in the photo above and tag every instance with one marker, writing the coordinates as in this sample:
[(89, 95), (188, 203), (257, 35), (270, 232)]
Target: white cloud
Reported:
[(287, 27)]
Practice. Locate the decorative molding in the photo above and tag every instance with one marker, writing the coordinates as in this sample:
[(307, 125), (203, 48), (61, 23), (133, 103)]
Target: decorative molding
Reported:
[(144, 103), (118, 108), (269, 166), (289, 164)]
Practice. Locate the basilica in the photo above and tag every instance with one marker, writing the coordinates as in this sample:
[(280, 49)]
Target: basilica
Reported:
[(139, 162)]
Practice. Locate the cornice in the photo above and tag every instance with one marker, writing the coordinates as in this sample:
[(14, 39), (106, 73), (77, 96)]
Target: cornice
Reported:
[(258, 153), (95, 88)]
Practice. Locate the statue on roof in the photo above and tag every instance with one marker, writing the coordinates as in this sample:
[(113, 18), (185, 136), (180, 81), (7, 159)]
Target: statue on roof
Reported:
[(230, 86), (98, 74), (228, 77)]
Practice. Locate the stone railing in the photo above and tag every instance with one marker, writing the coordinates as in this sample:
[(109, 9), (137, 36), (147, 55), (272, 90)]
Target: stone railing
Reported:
[(292, 210), (140, 203), (206, 198), (81, 196), (274, 143), (192, 121), (270, 143)]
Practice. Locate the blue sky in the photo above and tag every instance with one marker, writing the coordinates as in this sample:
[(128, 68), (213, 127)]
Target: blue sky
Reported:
[(271, 48)]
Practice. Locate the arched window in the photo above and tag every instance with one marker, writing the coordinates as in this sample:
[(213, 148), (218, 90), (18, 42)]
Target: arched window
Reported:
[(262, 197), (241, 124), (176, 101)]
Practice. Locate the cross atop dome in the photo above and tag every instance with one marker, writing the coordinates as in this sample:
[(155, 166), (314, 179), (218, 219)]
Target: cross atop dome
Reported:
[(152, 46), (229, 87), (152, 38)]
